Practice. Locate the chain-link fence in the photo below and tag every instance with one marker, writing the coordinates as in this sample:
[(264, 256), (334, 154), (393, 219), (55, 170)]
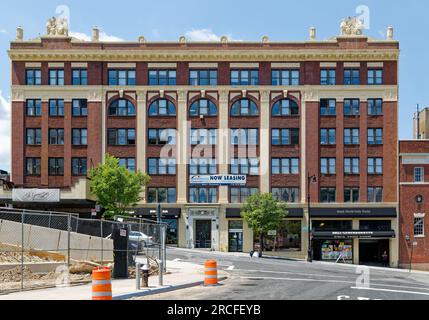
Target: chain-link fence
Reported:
[(46, 249)]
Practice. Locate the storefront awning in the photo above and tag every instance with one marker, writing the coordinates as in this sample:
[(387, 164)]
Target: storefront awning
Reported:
[(353, 212), (353, 234), (234, 213), (166, 213)]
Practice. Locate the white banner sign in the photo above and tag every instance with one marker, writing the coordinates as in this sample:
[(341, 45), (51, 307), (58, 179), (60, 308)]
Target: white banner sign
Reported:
[(219, 180), (36, 195)]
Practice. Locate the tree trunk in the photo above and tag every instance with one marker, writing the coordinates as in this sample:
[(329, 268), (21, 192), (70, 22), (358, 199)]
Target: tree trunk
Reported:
[(261, 244)]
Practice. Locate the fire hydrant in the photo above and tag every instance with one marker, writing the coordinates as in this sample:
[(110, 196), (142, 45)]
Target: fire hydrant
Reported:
[(145, 276)]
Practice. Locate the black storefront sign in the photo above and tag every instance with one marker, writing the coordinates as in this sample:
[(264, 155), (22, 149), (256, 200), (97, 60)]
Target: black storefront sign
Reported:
[(166, 213), (343, 235), (353, 212), (234, 213)]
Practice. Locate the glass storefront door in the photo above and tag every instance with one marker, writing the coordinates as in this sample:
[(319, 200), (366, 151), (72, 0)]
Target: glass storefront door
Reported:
[(235, 236), (203, 234)]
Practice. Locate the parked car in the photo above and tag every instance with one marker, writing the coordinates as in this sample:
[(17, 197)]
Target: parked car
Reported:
[(140, 238)]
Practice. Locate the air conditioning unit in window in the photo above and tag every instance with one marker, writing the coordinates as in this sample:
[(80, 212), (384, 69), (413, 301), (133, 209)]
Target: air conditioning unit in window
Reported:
[(202, 117)]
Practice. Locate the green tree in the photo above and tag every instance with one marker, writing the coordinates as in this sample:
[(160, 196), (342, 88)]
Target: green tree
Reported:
[(263, 213), (115, 187)]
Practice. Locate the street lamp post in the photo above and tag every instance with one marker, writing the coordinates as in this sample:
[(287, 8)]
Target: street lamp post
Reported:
[(310, 180)]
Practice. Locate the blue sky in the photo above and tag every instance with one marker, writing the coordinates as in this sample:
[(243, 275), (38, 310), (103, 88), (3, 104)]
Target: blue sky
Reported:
[(281, 20)]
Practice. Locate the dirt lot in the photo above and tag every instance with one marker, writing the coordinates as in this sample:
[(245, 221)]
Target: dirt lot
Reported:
[(15, 257)]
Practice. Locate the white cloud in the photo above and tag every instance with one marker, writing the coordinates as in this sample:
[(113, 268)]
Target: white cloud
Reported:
[(205, 35), (5, 130), (103, 37), (3, 31)]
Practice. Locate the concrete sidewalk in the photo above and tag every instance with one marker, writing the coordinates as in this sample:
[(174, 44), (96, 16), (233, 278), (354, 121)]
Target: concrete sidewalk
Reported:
[(182, 275)]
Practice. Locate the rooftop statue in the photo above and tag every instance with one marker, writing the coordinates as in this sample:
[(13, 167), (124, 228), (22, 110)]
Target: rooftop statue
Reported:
[(57, 27), (352, 26)]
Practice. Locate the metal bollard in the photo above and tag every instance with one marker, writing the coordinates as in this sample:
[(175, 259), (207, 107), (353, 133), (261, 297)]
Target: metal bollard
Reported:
[(138, 276), (161, 270), (145, 277)]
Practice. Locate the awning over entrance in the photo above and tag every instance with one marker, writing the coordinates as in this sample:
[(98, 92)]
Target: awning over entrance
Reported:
[(166, 213), (234, 213), (353, 234), (353, 212)]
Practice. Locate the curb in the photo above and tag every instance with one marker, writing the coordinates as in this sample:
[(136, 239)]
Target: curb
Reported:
[(162, 290)]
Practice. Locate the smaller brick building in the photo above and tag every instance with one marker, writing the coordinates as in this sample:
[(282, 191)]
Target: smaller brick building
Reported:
[(414, 204)]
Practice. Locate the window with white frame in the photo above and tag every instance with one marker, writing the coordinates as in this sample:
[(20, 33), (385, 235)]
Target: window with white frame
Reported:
[(419, 174), (419, 226)]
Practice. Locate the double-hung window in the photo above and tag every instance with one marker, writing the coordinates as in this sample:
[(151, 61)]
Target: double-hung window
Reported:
[(351, 166), (34, 136), (80, 108), (122, 77), (285, 77), (56, 77), (328, 166), (375, 165), (79, 137), (33, 77), (351, 107), (284, 137), (244, 137), (375, 136), (375, 76), (56, 108), (244, 77), (328, 77), (351, 136), (33, 166), (162, 166), (56, 166), (79, 166), (351, 76), (204, 166), (80, 77), (121, 137), (285, 166), (203, 136), (419, 174), (328, 136), (203, 77), (56, 136), (328, 107), (162, 77), (375, 107), (34, 107)]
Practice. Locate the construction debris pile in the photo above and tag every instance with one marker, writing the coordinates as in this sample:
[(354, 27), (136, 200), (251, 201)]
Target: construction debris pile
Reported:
[(15, 257)]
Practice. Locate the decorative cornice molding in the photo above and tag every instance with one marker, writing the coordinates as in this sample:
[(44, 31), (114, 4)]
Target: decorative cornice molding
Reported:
[(205, 55)]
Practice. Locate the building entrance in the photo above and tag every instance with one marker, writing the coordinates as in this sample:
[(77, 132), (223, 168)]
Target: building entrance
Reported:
[(203, 234), (371, 251)]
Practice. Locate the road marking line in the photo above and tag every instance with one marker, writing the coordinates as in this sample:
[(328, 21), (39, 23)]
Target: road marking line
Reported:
[(230, 268), (288, 272), (391, 290)]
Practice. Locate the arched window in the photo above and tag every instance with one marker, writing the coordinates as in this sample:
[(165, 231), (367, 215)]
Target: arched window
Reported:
[(162, 107), (122, 107), (203, 107), (285, 107), (244, 107)]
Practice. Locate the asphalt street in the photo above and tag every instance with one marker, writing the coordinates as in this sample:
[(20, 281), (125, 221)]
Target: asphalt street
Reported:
[(268, 279)]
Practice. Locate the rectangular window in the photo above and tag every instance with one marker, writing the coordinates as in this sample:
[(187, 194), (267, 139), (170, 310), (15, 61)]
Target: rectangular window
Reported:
[(128, 163), (419, 174), (289, 195), (34, 137), (56, 137), (202, 195), (328, 166), (327, 195), (162, 166), (203, 77), (283, 137), (375, 165), (162, 136), (56, 108), (33, 77), (240, 195), (351, 76), (79, 77), (351, 166), (285, 77), (203, 136), (351, 195), (203, 166), (122, 77), (351, 107), (245, 166), (419, 226), (33, 108), (244, 77), (121, 137), (56, 166), (79, 137), (328, 136), (80, 108), (33, 166), (375, 194), (328, 77), (375, 136), (351, 136), (375, 107), (285, 166), (162, 77), (328, 107), (56, 77), (375, 76), (79, 166), (161, 195), (244, 137)]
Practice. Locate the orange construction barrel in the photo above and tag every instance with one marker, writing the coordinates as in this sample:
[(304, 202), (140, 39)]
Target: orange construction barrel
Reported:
[(101, 284), (210, 273)]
